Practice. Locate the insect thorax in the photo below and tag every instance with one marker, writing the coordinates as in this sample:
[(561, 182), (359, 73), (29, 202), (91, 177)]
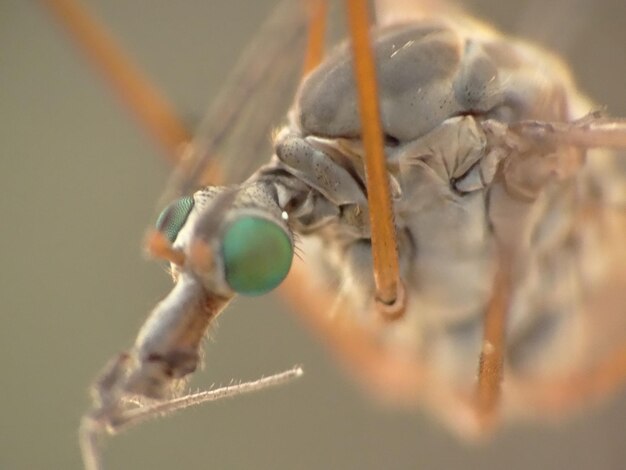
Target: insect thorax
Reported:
[(462, 195), (457, 196)]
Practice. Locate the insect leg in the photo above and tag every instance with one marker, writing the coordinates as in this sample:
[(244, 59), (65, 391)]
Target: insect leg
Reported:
[(591, 131), (389, 290), (492, 352), (150, 107), (318, 9)]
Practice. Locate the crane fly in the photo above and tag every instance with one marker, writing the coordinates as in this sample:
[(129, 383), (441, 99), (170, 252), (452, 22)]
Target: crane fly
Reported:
[(474, 293)]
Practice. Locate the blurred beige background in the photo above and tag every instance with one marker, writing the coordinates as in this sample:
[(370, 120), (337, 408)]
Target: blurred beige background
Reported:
[(79, 180)]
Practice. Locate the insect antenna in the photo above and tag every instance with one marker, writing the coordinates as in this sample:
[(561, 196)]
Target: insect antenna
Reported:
[(102, 420)]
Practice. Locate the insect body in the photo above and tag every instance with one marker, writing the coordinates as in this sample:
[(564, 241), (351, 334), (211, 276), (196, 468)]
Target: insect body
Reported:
[(472, 197)]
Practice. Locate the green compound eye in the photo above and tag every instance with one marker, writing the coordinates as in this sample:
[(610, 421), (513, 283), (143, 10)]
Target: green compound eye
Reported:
[(257, 255), (173, 217)]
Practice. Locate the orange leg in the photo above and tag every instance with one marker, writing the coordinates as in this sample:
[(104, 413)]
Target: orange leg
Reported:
[(148, 105), (389, 290), (491, 363), (318, 11)]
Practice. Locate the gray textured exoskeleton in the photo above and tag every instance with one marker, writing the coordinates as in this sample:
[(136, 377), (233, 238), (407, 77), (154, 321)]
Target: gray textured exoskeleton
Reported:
[(465, 186)]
